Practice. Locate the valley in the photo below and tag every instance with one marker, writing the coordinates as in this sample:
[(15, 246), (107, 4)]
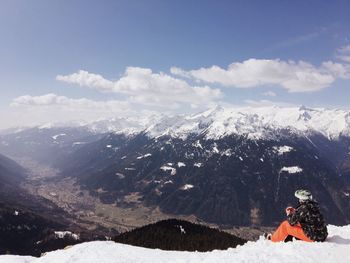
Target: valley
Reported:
[(88, 210)]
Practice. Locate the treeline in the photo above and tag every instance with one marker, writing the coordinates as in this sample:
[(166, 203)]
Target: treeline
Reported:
[(173, 234), (19, 231), (25, 233)]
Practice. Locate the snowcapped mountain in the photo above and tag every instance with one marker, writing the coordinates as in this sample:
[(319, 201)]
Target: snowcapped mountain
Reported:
[(218, 122), (254, 122), (335, 249), (123, 125), (230, 166)]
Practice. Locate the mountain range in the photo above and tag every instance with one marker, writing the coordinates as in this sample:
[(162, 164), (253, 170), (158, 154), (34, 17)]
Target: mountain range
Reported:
[(228, 166)]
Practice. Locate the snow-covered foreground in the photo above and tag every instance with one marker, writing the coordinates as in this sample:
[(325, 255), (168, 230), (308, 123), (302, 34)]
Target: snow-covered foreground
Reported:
[(336, 249)]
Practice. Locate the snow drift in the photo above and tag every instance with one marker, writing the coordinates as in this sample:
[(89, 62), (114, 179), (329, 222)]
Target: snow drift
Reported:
[(335, 249)]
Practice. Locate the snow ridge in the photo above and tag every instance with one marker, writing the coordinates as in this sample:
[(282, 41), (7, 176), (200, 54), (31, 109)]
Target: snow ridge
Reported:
[(218, 122), (253, 122), (335, 249)]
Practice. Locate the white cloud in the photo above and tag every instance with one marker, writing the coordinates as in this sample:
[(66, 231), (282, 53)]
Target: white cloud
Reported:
[(180, 72), (343, 53), (270, 94), (293, 76), (36, 110), (337, 69), (81, 104), (48, 99), (84, 78), (144, 87)]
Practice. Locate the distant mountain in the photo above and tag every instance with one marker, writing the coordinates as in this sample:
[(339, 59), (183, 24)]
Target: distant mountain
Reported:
[(255, 123), (173, 234), (217, 122), (45, 144), (228, 166), (11, 175), (10, 171)]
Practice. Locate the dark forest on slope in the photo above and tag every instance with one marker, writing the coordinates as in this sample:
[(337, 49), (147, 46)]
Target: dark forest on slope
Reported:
[(173, 234)]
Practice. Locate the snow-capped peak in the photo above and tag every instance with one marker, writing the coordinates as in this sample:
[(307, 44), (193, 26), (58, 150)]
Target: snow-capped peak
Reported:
[(217, 122), (255, 122)]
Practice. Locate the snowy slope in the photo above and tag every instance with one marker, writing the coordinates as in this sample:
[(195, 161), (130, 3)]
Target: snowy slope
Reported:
[(256, 122), (336, 249), (217, 122)]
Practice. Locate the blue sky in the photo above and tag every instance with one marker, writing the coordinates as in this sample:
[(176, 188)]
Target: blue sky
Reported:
[(82, 49)]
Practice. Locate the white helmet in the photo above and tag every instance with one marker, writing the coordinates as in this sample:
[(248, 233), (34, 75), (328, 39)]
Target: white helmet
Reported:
[(303, 195)]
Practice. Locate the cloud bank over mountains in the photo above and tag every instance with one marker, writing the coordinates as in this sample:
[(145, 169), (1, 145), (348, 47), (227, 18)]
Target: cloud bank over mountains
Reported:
[(142, 90), (53, 100), (142, 86)]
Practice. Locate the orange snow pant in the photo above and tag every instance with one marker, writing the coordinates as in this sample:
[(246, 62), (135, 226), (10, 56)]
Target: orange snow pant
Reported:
[(285, 229)]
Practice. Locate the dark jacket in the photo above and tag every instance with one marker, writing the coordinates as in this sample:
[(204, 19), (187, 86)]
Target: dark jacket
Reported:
[(308, 214)]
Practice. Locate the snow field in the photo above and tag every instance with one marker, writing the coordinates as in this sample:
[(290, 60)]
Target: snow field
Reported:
[(291, 169), (336, 249)]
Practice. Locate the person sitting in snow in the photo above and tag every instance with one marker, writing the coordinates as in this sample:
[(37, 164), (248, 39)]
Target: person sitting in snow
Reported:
[(305, 222)]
